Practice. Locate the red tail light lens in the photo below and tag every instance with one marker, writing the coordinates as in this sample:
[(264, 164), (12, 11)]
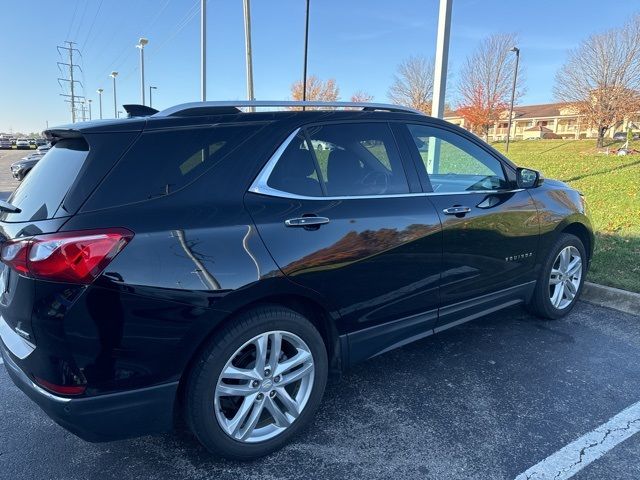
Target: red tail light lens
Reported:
[(61, 389), (75, 257)]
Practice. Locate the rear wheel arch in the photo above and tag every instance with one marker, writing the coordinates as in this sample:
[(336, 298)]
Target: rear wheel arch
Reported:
[(311, 309)]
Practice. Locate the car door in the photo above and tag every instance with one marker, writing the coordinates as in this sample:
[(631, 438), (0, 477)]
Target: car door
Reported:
[(336, 212), (490, 227)]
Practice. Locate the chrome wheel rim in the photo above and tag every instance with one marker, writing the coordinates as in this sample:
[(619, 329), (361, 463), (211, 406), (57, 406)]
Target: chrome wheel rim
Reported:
[(565, 277), (264, 386)]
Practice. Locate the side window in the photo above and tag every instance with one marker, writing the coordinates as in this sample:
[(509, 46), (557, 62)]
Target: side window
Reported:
[(455, 164), (295, 171), (163, 161), (357, 159)]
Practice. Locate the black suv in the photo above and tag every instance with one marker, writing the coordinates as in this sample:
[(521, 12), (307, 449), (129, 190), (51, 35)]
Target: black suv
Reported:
[(214, 266)]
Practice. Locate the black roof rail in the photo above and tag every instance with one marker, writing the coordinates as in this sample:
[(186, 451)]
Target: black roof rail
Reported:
[(214, 108), (135, 110)]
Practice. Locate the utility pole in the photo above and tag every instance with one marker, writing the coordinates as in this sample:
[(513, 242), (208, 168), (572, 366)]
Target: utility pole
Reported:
[(151, 89), (115, 101), (515, 50), (440, 79), (69, 48), (203, 50), (100, 90), (247, 44), (89, 101), (442, 59), (141, 43), (306, 48)]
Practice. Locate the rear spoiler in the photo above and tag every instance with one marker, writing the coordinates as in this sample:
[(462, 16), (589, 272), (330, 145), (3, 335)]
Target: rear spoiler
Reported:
[(56, 134), (135, 110)]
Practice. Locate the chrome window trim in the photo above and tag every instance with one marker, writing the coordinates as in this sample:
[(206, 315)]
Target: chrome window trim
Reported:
[(261, 187)]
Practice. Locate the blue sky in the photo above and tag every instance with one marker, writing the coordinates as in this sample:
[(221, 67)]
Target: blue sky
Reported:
[(357, 42)]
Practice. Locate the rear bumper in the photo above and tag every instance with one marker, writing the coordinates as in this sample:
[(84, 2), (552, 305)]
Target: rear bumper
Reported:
[(105, 417)]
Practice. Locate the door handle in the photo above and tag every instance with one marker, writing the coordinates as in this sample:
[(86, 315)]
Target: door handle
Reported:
[(456, 210), (305, 222)]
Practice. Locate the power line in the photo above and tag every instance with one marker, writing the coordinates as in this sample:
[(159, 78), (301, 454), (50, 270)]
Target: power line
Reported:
[(73, 18), (84, 10), (92, 24)]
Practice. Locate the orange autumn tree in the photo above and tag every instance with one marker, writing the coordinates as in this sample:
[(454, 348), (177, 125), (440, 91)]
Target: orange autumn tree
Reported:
[(485, 82), (481, 110), (317, 90)]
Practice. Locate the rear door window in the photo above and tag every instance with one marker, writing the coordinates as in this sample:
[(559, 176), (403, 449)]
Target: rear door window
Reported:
[(360, 159), (162, 162), (44, 188)]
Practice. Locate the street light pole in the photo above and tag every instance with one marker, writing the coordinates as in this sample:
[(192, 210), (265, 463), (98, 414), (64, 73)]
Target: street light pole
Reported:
[(89, 102), (141, 43), (247, 44), (306, 48), (100, 90), (203, 50), (516, 50), (442, 59), (151, 88), (115, 102)]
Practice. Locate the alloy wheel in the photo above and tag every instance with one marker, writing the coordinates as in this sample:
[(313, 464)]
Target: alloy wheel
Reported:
[(565, 277), (264, 386)]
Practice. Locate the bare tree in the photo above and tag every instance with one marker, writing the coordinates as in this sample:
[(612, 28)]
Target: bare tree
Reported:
[(601, 78), (361, 96), (486, 81), (317, 90), (413, 84)]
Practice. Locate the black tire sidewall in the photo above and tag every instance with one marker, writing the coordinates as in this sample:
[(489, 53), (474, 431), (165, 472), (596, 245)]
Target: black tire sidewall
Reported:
[(201, 386)]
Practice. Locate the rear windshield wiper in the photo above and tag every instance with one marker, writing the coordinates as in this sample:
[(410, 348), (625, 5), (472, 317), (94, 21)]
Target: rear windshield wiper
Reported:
[(7, 207)]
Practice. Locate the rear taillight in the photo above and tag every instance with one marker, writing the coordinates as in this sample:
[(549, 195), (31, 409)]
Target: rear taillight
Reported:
[(75, 257), (61, 389)]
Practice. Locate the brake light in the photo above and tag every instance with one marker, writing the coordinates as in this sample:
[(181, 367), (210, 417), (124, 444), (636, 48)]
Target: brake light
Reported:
[(61, 389), (75, 257)]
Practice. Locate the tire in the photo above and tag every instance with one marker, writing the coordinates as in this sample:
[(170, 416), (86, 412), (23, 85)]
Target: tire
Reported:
[(542, 303), (206, 410)]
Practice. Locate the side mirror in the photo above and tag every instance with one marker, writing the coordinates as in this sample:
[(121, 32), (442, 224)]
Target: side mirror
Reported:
[(528, 178)]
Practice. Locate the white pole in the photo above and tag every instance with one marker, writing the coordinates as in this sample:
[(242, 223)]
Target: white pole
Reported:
[(439, 80), (247, 43), (442, 59), (203, 50)]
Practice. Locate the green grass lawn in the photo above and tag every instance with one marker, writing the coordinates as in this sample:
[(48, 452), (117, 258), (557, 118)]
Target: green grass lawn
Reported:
[(611, 185)]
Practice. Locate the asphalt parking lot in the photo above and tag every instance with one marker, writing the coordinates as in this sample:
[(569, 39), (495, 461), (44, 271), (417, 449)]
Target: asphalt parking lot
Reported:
[(7, 182), (485, 400)]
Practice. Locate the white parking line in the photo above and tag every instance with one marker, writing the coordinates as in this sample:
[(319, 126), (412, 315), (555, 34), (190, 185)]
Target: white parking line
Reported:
[(569, 460)]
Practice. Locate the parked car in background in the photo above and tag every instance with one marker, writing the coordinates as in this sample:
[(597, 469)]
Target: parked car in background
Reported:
[(13, 141), (32, 141), (5, 143), (40, 141), (247, 265), (22, 167), (22, 144), (622, 136)]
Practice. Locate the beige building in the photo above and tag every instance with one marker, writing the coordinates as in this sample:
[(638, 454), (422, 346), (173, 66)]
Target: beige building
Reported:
[(551, 120)]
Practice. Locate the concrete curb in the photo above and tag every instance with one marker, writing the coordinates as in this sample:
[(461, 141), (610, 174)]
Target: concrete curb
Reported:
[(622, 300)]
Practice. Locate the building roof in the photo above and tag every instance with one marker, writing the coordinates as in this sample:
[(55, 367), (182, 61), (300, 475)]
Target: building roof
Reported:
[(544, 110), (539, 111)]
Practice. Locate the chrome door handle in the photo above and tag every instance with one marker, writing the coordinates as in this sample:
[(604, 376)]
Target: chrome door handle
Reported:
[(456, 210), (306, 221)]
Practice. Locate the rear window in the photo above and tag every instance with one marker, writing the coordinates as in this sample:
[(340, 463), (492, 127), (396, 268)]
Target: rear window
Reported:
[(42, 191), (164, 161)]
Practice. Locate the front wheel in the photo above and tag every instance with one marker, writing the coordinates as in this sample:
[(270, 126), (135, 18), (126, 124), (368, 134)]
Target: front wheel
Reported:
[(257, 384), (561, 278)]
